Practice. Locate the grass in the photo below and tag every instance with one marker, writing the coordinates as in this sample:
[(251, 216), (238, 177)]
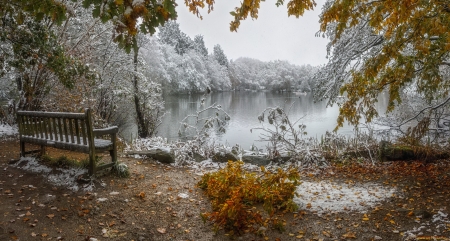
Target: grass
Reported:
[(64, 161)]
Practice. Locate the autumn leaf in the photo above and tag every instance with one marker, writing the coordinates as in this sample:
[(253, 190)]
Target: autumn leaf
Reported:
[(365, 218), (50, 216), (161, 230), (141, 195), (349, 235)]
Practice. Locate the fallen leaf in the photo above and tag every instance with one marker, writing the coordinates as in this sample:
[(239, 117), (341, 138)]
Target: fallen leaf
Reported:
[(161, 230), (349, 235), (141, 195), (51, 216), (365, 218)]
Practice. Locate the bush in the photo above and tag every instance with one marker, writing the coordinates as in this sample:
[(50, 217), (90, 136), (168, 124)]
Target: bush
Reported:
[(121, 170), (235, 192)]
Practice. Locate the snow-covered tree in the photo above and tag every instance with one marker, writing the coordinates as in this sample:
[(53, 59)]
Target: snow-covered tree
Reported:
[(219, 55), (199, 45), (171, 34)]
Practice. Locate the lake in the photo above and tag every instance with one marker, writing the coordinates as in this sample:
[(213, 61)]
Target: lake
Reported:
[(244, 107)]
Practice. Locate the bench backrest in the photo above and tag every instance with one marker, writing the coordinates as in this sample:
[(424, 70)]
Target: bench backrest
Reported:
[(65, 127)]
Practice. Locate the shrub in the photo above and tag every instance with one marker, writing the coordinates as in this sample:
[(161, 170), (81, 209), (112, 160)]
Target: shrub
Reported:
[(235, 192), (121, 170)]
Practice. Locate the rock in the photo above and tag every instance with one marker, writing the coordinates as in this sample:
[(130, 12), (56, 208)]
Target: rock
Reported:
[(163, 156), (282, 159), (424, 213), (391, 152), (197, 157), (48, 198), (224, 157), (255, 160)]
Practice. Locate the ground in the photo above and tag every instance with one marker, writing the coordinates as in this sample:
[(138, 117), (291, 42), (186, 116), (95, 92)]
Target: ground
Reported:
[(160, 202)]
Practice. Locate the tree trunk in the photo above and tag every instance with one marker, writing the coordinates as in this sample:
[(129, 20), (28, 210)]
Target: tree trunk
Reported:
[(142, 127)]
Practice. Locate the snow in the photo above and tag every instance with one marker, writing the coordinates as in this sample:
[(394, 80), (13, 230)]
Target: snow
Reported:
[(138, 2), (326, 196), (439, 223), (7, 130), (128, 11), (59, 177), (183, 195)]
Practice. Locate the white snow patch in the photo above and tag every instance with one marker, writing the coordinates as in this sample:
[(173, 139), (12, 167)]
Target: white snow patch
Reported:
[(59, 177), (7, 130), (32, 165), (67, 178), (325, 196), (183, 195), (102, 199), (210, 166)]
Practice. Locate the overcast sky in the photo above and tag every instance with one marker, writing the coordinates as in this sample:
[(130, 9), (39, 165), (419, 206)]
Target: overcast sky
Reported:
[(272, 36)]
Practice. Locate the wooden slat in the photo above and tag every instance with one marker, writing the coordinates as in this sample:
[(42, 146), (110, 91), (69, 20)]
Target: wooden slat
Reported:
[(44, 123), (36, 127), (72, 132), (77, 130), (60, 129), (49, 129), (65, 129), (52, 114), (55, 131), (83, 131), (26, 126), (31, 126), (41, 127)]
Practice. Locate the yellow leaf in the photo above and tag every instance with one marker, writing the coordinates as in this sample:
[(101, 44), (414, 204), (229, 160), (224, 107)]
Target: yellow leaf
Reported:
[(349, 235), (365, 218)]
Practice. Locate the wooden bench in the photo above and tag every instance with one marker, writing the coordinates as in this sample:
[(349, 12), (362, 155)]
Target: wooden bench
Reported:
[(68, 131)]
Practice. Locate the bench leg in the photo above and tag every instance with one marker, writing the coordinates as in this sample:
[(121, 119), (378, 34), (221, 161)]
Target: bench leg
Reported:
[(113, 154), (91, 163), (22, 149), (42, 150)]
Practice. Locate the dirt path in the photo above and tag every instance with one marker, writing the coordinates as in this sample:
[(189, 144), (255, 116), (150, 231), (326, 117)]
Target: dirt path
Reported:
[(162, 203)]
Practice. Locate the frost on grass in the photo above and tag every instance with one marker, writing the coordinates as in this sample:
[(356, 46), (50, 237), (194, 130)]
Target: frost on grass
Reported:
[(7, 130), (325, 196), (66, 178)]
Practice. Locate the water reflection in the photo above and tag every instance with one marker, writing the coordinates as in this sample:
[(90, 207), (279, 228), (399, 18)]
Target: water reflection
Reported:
[(244, 108)]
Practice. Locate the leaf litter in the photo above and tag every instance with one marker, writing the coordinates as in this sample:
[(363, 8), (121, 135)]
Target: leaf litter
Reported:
[(377, 201)]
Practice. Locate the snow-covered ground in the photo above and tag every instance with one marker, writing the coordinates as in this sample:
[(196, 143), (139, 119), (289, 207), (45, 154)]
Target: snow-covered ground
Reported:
[(63, 177), (7, 130), (326, 196)]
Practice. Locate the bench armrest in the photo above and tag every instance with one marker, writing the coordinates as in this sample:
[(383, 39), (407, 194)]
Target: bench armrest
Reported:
[(106, 131)]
